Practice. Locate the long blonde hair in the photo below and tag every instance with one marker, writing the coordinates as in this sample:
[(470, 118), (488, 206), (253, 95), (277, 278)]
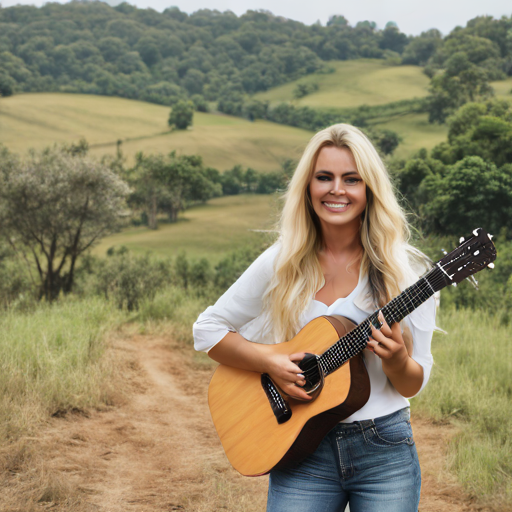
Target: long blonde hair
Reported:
[(384, 234)]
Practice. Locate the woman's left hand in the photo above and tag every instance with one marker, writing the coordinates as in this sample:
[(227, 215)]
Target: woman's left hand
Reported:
[(388, 344)]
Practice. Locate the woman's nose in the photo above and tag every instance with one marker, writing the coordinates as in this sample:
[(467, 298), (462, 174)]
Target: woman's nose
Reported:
[(337, 189)]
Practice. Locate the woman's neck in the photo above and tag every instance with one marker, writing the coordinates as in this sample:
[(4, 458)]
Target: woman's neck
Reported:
[(341, 240)]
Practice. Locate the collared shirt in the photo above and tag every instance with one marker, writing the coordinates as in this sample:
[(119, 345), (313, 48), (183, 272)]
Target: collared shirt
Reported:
[(240, 310)]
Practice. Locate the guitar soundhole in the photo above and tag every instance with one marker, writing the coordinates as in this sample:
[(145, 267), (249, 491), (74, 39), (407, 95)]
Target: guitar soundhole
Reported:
[(312, 373)]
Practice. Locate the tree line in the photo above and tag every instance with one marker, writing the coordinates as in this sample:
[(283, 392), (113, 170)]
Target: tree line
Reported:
[(90, 47)]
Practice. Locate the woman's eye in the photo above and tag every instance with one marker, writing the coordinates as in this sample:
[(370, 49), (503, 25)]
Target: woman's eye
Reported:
[(323, 178)]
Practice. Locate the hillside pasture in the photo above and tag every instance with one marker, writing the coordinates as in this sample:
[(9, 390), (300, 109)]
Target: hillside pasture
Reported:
[(42, 119), (207, 231), (354, 83)]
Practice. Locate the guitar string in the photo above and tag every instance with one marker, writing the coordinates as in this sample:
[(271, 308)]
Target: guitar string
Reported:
[(339, 353), (349, 345), (401, 306)]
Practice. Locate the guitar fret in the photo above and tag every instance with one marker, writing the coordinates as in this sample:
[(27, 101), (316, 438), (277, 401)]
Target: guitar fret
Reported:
[(356, 340)]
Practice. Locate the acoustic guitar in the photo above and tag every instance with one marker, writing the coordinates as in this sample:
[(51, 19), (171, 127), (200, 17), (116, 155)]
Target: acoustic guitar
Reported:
[(261, 428)]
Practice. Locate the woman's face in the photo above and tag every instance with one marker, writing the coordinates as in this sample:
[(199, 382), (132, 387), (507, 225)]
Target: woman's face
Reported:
[(338, 193)]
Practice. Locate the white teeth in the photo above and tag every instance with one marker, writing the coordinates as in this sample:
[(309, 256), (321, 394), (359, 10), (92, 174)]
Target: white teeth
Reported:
[(338, 206)]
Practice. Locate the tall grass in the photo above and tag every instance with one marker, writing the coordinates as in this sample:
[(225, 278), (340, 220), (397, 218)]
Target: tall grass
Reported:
[(51, 361), (471, 385)]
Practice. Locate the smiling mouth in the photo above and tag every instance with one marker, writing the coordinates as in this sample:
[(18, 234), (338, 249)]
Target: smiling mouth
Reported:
[(336, 206)]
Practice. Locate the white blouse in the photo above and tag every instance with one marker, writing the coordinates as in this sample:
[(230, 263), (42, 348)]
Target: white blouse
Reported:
[(240, 310)]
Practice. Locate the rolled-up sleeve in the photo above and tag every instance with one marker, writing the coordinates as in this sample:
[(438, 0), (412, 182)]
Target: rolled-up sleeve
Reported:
[(422, 323), (241, 303)]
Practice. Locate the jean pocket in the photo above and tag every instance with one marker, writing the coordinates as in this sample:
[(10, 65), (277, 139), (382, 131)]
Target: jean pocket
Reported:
[(390, 435)]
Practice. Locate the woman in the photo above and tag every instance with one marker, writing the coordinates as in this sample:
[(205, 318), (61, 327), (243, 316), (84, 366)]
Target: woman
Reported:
[(342, 250)]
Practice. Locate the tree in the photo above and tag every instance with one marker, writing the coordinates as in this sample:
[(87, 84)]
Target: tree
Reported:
[(479, 129), (474, 193), (461, 82), (53, 207), (181, 115), (7, 85), (170, 183)]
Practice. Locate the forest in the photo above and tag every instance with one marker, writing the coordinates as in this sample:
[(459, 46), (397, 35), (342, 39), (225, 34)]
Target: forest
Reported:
[(210, 56)]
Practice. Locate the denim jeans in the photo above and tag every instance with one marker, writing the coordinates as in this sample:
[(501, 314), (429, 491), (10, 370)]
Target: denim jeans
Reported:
[(370, 464)]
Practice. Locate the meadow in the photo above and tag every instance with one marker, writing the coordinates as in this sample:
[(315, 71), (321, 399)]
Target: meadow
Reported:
[(210, 230), (38, 120), (353, 83), (362, 82)]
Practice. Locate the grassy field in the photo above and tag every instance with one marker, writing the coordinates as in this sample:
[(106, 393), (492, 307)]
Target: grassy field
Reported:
[(471, 386), (503, 88), (211, 230), (354, 83), (52, 360), (38, 120)]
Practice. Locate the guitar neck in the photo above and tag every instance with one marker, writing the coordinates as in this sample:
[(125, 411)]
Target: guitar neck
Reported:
[(394, 311)]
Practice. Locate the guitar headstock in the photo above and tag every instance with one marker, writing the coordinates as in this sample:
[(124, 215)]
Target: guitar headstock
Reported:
[(473, 254)]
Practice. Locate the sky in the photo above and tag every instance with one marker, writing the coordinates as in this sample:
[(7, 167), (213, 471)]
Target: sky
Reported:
[(412, 16)]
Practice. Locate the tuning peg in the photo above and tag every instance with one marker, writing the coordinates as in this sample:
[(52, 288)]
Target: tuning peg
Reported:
[(490, 236), (491, 265), (461, 239), (454, 285), (444, 252)]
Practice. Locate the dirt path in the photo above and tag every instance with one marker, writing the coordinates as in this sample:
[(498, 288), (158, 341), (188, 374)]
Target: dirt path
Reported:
[(159, 451)]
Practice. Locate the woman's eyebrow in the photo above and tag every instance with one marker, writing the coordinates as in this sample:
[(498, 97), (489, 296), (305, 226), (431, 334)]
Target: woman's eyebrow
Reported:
[(330, 173)]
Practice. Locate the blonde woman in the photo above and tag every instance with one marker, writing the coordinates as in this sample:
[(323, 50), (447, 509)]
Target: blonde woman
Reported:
[(342, 250)]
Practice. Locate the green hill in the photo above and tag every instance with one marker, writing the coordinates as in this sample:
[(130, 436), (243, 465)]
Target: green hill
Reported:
[(210, 230), (41, 119), (354, 83)]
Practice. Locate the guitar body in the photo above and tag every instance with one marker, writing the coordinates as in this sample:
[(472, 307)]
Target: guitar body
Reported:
[(250, 434)]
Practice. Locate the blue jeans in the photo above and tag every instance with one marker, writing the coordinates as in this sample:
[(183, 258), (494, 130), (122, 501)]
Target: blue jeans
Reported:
[(370, 464)]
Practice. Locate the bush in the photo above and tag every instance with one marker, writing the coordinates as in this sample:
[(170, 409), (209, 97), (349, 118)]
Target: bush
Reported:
[(127, 280)]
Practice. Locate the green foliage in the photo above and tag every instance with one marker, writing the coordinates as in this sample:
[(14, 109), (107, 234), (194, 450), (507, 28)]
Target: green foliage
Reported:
[(462, 81), (17, 291), (200, 103), (479, 129), (422, 48), (128, 280), (125, 51), (169, 184), (472, 193), (303, 89), (181, 115), (54, 205)]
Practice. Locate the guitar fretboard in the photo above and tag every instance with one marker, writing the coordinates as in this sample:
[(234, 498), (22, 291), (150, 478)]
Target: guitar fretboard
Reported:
[(394, 311)]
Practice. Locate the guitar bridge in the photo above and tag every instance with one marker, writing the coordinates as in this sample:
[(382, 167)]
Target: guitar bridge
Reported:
[(279, 405)]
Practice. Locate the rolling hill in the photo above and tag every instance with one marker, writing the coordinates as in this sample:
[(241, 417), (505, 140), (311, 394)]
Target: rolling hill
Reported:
[(41, 119), (355, 82), (210, 230)]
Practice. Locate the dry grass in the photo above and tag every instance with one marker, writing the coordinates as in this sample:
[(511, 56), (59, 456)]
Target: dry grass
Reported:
[(41, 119)]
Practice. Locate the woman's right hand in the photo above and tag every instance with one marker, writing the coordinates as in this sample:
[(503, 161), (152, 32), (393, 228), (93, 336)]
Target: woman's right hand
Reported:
[(286, 374), (234, 350)]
